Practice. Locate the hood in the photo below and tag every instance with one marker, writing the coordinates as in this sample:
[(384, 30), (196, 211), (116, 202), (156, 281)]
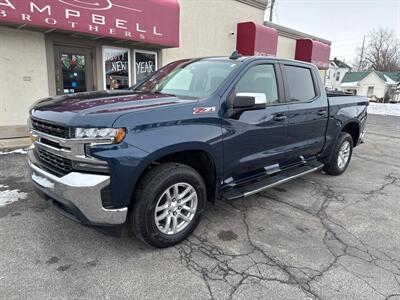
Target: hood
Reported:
[(98, 108)]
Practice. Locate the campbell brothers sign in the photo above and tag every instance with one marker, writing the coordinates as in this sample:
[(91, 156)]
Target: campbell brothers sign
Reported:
[(150, 21)]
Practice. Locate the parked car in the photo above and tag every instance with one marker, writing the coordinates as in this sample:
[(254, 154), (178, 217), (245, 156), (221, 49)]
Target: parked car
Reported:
[(196, 131)]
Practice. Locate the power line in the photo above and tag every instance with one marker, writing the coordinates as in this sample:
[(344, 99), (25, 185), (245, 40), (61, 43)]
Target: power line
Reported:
[(276, 13), (348, 39), (345, 47)]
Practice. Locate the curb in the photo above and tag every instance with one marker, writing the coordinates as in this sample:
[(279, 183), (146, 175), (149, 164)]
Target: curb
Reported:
[(13, 144)]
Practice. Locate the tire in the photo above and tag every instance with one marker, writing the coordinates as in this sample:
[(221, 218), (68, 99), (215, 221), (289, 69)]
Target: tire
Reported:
[(337, 166), (157, 189)]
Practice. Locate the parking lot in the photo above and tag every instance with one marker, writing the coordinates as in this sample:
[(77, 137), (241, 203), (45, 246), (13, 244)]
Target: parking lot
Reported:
[(315, 237)]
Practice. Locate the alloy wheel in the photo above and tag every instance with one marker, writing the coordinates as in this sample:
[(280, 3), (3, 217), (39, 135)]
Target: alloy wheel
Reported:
[(176, 208)]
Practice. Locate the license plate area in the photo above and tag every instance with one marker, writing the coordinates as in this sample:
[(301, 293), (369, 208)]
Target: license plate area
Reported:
[(42, 181)]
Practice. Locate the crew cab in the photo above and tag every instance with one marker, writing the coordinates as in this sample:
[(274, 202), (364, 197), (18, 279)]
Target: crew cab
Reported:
[(196, 131)]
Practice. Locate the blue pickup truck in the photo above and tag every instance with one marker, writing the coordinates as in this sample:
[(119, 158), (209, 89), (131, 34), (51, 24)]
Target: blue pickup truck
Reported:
[(196, 131)]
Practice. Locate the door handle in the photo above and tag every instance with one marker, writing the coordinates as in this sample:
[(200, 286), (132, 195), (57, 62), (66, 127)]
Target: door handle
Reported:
[(279, 117), (322, 112)]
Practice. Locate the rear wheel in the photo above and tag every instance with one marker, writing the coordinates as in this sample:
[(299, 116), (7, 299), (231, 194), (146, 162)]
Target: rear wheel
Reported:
[(341, 156), (167, 206)]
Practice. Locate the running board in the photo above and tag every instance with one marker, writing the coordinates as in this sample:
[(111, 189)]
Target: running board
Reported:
[(271, 181)]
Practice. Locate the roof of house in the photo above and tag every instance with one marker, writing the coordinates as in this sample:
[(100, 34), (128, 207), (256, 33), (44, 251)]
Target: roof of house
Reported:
[(340, 64), (395, 76), (355, 76), (387, 77)]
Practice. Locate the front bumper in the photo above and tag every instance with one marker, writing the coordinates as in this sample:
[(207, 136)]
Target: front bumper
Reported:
[(77, 194)]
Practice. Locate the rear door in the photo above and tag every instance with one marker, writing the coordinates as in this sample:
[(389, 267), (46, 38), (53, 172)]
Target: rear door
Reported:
[(308, 110), (256, 139)]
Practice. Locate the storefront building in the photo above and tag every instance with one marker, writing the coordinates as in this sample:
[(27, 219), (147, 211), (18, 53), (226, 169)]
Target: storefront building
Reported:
[(66, 46)]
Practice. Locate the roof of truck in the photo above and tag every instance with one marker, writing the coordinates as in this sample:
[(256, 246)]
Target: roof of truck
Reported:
[(254, 58)]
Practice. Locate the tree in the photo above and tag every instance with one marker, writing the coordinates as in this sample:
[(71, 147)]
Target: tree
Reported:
[(382, 52)]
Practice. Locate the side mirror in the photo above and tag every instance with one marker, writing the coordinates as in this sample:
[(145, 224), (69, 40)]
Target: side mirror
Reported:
[(249, 101), (241, 102)]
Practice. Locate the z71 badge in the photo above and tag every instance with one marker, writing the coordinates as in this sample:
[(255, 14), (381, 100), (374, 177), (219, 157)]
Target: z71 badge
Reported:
[(203, 110)]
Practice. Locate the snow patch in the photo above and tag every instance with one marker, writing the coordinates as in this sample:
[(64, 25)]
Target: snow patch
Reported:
[(10, 196), (386, 109), (349, 84), (389, 80), (18, 151)]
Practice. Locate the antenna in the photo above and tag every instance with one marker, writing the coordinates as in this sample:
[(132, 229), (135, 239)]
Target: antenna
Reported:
[(235, 55)]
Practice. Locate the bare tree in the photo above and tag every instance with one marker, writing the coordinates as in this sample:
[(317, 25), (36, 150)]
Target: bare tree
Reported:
[(382, 52)]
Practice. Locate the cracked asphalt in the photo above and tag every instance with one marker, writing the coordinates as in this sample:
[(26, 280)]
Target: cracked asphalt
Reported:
[(317, 237)]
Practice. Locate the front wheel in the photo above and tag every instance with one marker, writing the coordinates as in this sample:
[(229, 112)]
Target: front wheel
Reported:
[(341, 156), (167, 206)]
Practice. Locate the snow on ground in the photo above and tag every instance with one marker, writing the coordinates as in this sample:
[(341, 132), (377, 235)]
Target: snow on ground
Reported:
[(9, 196), (18, 151), (384, 109)]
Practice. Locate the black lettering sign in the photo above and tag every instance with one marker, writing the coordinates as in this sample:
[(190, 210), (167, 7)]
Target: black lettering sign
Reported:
[(145, 65)]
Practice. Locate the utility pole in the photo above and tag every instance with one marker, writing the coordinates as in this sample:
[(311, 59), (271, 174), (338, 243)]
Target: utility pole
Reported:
[(271, 10), (362, 54)]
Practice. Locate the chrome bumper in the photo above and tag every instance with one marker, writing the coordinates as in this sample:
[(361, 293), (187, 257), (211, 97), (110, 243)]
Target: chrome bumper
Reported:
[(81, 190)]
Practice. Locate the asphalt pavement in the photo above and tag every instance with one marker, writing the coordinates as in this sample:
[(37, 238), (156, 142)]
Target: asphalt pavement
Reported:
[(315, 237)]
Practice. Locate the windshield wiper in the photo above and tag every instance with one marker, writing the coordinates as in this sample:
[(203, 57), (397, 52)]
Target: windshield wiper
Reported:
[(164, 94)]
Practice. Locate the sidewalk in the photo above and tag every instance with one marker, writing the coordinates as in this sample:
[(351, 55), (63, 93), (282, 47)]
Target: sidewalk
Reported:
[(12, 144)]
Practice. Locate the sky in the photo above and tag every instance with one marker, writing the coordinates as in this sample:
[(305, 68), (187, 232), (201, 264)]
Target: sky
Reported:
[(344, 22)]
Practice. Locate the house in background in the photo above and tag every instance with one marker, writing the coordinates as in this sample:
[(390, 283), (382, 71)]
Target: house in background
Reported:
[(373, 84), (335, 74)]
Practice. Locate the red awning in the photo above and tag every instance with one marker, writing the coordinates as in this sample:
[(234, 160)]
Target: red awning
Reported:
[(255, 39), (151, 21), (314, 52)]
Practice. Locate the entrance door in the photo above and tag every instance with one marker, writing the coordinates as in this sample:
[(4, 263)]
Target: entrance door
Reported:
[(74, 69)]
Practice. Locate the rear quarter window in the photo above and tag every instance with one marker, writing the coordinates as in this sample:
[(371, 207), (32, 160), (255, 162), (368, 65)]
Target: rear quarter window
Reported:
[(300, 83)]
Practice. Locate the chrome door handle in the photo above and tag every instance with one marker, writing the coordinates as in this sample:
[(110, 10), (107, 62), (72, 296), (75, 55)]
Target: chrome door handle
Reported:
[(279, 117)]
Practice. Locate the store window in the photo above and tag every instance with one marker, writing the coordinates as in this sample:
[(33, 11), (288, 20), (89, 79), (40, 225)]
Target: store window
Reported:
[(145, 64), (116, 64)]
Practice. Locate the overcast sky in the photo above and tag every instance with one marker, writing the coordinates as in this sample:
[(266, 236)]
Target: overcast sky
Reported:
[(344, 22)]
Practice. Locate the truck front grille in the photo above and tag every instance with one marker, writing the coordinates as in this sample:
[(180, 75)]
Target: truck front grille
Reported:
[(54, 163), (50, 128)]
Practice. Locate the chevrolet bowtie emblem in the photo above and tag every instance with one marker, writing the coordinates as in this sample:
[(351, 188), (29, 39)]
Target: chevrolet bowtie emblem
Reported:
[(34, 137)]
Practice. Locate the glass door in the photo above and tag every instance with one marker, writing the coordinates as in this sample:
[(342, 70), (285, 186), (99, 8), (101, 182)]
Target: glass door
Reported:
[(74, 69)]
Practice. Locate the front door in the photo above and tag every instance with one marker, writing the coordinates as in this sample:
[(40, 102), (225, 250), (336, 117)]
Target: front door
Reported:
[(256, 140), (74, 70)]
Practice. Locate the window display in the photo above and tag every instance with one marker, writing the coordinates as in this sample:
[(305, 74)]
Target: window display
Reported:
[(145, 64), (116, 68)]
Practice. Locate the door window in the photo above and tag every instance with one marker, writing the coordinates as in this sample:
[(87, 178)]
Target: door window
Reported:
[(300, 83), (260, 79), (73, 69), (73, 73)]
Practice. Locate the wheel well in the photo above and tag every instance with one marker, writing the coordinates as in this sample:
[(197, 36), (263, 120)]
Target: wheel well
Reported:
[(199, 160), (354, 130)]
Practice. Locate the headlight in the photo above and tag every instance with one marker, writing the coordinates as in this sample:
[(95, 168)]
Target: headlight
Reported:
[(114, 134)]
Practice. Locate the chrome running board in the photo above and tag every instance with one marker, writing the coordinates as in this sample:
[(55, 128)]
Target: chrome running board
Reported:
[(271, 181)]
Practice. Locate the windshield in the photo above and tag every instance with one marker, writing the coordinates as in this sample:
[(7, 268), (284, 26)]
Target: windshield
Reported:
[(188, 79)]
